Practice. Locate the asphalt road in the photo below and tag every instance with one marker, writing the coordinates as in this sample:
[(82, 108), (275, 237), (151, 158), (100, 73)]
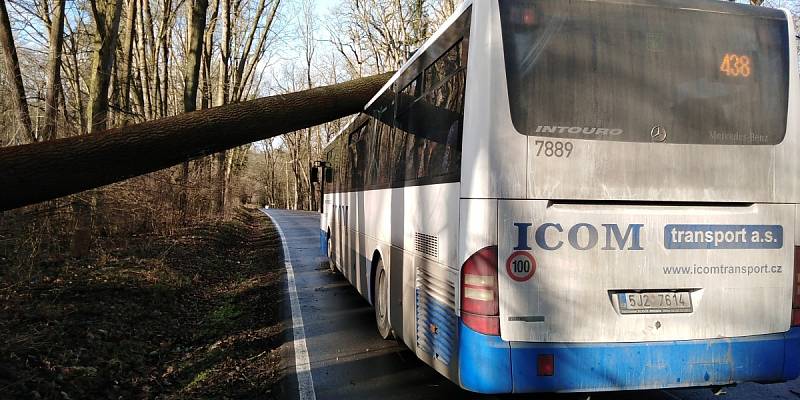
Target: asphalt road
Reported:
[(347, 358)]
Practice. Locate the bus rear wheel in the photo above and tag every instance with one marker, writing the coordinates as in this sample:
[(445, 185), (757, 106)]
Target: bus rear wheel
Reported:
[(382, 302), (331, 255)]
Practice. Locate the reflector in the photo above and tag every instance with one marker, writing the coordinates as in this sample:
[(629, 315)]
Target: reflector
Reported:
[(546, 365)]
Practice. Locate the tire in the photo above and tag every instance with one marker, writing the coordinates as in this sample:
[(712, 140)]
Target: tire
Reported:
[(382, 302), (331, 255)]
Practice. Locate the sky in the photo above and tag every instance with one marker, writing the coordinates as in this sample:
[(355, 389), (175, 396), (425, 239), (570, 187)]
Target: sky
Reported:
[(324, 5)]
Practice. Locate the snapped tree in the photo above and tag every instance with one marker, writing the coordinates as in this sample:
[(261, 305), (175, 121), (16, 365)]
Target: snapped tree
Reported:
[(42, 171)]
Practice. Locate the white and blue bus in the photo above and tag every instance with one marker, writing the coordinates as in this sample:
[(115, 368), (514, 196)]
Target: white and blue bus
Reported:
[(561, 196)]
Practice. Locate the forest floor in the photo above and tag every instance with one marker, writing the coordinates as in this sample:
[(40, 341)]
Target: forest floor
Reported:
[(192, 315)]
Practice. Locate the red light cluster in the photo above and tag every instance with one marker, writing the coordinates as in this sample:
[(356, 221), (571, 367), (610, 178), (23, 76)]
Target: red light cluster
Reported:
[(480, 307)]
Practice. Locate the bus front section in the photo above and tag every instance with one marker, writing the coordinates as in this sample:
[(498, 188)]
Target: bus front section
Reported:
[(639, 161)]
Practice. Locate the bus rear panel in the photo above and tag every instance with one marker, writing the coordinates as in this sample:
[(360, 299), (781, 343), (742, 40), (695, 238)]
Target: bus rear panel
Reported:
[(641, 165)]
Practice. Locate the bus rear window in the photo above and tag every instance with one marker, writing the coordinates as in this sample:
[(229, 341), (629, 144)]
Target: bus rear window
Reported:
[(647, 70)]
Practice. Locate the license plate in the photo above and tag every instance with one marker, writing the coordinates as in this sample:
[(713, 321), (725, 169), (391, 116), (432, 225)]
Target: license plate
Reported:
[(654, 302)]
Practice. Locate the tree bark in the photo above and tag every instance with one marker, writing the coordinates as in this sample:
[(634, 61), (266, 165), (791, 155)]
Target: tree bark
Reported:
[(152, 62), (142, 62), (73, 71), (194, 53), (13, 73), (225, 51), (166, 42), (208, 54), (54, 69), (47, 170), (130, 32), (197, 27), (107, 15), (222, 98)]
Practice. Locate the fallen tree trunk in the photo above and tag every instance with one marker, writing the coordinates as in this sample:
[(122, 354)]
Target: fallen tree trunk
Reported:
[(44, 171)]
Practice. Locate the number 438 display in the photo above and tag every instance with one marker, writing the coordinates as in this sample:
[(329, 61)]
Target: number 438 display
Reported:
[(736, 66)]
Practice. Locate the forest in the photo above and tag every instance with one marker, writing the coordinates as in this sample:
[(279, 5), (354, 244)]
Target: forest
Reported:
[(81, 67)]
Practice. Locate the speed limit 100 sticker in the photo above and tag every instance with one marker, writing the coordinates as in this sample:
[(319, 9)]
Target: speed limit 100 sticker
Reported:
[(521, 266)]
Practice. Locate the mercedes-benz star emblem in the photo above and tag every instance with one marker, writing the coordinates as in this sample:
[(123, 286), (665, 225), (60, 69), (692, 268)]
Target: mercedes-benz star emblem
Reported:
[(658, 134)]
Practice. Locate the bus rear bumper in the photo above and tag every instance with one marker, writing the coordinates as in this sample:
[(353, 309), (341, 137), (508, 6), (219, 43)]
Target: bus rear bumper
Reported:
[(487, 364)]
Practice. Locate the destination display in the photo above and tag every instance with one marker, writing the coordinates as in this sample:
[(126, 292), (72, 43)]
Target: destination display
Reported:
[(636, 71)]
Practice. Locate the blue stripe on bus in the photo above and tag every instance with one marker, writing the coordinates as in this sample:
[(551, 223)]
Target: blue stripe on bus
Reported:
[(323, 243), (791, 358), (488, 364), (436, 327), (484, 362)]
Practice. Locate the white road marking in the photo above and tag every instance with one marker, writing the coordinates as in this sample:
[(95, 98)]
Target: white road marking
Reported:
[(302, 363)]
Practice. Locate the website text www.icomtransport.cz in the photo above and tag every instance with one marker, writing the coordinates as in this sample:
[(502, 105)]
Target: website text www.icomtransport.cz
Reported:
[(746, 270)]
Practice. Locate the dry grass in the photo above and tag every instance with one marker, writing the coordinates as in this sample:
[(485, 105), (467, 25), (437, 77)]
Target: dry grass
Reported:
[(193, 314)]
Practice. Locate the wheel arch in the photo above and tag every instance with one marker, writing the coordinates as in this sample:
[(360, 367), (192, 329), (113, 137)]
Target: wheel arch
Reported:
[(373, 270)]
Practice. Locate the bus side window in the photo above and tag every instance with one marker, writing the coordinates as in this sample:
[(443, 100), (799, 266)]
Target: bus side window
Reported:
[(371, 170), (448, 64), (382, 148), (398, 157), (346, 162), (338, 174), (403, 151), (358, 153), (402, 159), (446, 118), (331, 160), (341, 164), (441, 109), (379, 149)]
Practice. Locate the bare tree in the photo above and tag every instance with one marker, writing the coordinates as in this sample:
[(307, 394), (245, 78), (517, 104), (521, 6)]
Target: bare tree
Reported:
[(194, 53), (309, 48), (54, 69), (106, 16), (72, 71), (208, 53), (163, 47), (225, 52), (127, 53), (378, 35), (191, 76), (249, 59), (223, 160), (13, 73)]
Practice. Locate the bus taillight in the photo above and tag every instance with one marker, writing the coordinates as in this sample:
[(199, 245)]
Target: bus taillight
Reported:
[(796, 288), (480, 307)]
